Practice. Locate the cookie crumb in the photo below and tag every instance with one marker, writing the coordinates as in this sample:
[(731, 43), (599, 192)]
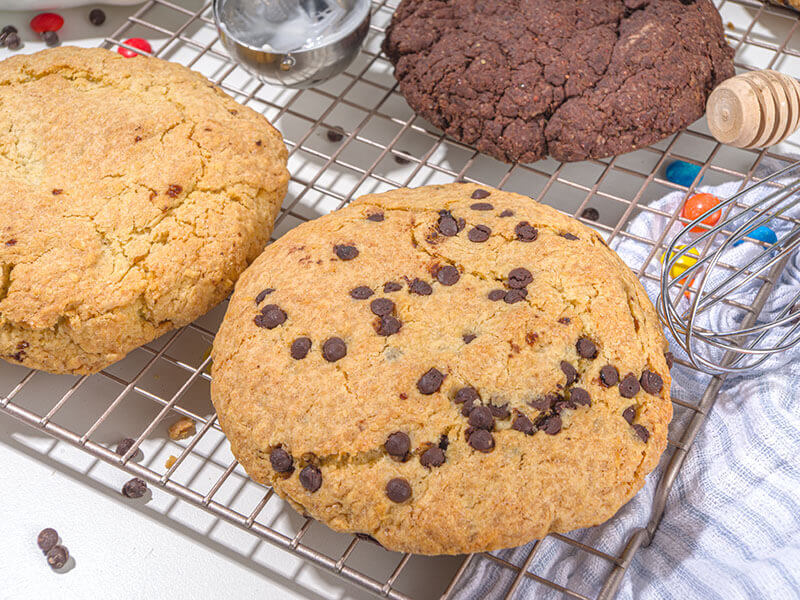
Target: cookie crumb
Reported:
[(182, 429)]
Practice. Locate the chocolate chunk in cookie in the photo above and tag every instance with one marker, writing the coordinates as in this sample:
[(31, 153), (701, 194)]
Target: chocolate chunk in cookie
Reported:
[(629, 386), (609, 376), (651, 382), (447, 275), (526, 232), (345, 252), (311, 478), (361, 292), (430, 382), (334, 349), (300, 347), (398, 490)]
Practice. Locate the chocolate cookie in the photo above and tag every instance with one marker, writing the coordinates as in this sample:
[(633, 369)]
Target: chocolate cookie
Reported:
[(133, 194), (439, 390), (520, 79)]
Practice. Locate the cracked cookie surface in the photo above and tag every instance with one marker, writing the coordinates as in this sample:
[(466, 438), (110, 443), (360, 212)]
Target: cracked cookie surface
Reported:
[(520, 79), (446, 369), (134, 194)]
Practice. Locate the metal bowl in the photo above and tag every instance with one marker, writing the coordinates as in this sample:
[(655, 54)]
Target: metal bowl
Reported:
[(296, 69)]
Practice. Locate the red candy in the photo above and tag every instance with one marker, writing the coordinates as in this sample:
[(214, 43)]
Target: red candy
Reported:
[(139, 43), (696, 206), (47, 22)]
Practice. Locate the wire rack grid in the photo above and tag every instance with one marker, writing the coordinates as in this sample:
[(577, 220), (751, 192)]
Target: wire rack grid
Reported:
[(377, 144)]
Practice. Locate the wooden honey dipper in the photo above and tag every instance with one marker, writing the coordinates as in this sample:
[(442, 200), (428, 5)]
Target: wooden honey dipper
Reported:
[(754, 109)]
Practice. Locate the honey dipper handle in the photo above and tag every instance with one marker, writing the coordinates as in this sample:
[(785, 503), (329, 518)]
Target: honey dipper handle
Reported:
[(754, 109)]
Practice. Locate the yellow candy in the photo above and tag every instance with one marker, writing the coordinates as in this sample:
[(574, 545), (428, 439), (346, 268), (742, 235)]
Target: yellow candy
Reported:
[(683, 263)]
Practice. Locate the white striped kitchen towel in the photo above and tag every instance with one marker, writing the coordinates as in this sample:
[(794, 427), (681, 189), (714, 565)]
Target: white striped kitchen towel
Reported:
[(731, 529)]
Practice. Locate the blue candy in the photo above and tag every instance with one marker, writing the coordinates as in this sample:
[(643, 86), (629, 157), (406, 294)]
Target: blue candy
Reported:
[(762, 234), (682, 173)]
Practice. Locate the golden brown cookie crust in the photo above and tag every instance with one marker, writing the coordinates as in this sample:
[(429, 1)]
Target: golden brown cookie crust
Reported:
[(273, 392), (134, 194)]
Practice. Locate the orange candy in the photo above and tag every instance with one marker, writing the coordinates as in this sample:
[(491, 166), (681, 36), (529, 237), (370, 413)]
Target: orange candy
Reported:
[(696, 206)]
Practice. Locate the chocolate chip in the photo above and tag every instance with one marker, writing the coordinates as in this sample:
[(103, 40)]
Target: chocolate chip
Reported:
[(569, 371), (46, 539), (13, 41), (519, 278), (565, 320), (271, 316), (124, 446), (481, 418), (642, 432), (481, 206), (461, 223), (586, 348), (651, 382), (568, 236), (500, 412), (401, 160), (670, 359), (430, 382), (432, 457), (590, 214), (551, 424), (391, 286), (58, 192), (387, 326), (398, 490), (507, 213), (375, 217), (629, 414), (334, 349), (479, 233), (263, 294), (281, 460), (480, 194), (345, 252), (311, 478), (481, 440), (523, 424), (419, 287), (526, 232), (300, 348), (467, 407), (397, 444), (580, 396), (135, 488), (50, 38), (562, 405), (544, 402), (609, 375), (466, 394), (447, 224), (468, 337), (381, 307), (361, 292), (531, 337), (629, 386), (447, 275), (335, 134), (11, 242), (496, 295), (514, 296), (58, 556)]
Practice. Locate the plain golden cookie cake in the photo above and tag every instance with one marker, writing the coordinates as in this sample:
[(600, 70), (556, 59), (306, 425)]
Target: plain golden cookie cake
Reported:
[(447, 369), (134, 194)]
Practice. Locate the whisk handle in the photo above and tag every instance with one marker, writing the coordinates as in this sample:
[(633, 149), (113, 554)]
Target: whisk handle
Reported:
[(754, 109)]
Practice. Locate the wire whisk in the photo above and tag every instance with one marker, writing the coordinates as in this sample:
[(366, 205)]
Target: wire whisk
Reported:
[(740, 313)]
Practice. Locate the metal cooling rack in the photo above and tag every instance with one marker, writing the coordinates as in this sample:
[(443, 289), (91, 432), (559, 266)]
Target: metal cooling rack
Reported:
[(384, 146)]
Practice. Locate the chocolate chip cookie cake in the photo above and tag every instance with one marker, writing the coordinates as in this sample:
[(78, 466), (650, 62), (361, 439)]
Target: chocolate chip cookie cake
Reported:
[(576, 79), (133, 195), (447, 369)]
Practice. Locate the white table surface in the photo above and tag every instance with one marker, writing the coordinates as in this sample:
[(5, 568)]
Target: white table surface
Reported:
[(157, 547)]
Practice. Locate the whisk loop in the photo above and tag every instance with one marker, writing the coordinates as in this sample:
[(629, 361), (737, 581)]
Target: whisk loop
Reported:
[(737, 284)]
